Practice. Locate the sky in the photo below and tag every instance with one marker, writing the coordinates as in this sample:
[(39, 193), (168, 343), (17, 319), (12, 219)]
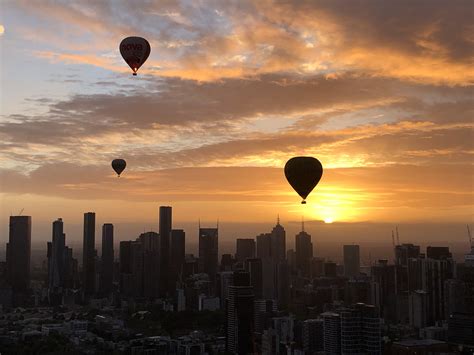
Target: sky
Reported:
[(381, 92)]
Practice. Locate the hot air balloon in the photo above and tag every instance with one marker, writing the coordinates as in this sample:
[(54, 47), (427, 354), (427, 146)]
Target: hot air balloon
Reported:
[(135, 51), (119, 165), (303, 174)]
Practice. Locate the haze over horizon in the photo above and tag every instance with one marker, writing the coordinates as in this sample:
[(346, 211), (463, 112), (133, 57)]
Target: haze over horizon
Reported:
[(381, 94)]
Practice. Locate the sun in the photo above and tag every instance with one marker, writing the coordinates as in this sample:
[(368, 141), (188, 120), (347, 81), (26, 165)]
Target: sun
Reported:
[(328, 220)]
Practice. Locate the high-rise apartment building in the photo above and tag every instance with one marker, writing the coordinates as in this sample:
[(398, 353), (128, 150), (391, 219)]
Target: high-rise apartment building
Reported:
[(352, 330), (313, 336), (240, 320)]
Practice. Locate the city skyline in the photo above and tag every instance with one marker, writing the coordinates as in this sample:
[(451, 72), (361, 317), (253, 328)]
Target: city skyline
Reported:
[(232, 91), (237, 177)]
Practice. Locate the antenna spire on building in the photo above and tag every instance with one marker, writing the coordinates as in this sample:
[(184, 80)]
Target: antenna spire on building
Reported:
[(278, 219), (302, 223), (398, 236)]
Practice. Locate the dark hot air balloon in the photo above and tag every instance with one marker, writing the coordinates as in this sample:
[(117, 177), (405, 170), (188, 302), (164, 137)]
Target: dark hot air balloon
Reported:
[(303, 174), (119, 165), (135, 51)]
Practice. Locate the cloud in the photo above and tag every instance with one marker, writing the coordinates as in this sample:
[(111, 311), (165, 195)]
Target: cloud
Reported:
[(177, 103), (420, 41), (415, 193)]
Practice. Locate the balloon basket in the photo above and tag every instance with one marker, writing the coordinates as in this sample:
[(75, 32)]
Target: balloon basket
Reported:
[(303, 202)]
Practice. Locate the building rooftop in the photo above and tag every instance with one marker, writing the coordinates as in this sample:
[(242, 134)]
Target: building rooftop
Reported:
[(418, 342)]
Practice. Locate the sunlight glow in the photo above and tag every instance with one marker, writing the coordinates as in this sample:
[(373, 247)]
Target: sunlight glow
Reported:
[(328, 220)]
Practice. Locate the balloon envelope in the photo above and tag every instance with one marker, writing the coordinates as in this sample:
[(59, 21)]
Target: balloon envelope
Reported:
[(119, 165), (135, 51), (303, 174)]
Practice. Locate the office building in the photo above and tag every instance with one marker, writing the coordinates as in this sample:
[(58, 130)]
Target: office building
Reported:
[(88, 254), (404, 252), (330, 269), (178, 252), (278, 242), (19, 253), (149, 253), (131, 268), (316, 267), (304, 252), (255, 268), (209, 251), (264, 243), (107, 259), (56, 256), (351, 260), (282, 284), (245, 248), (165, 227)]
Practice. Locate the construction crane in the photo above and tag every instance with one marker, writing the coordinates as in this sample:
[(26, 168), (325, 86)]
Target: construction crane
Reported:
[(21, 211), (398, 236)]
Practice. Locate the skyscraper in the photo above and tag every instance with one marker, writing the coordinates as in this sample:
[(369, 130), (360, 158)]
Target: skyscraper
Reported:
[(19, 253), (404, 252), (56, 257), (360, 330), (351, 260), (245, 248), (352, 330), (313, 336), (208, 251), (165, 240), (304, 252), (430, 275), (278, 242), (332, 332), (107, 260), (254, 268), (240, 320), (178, 252), (149, 264), (88, 254), (264, 244)]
